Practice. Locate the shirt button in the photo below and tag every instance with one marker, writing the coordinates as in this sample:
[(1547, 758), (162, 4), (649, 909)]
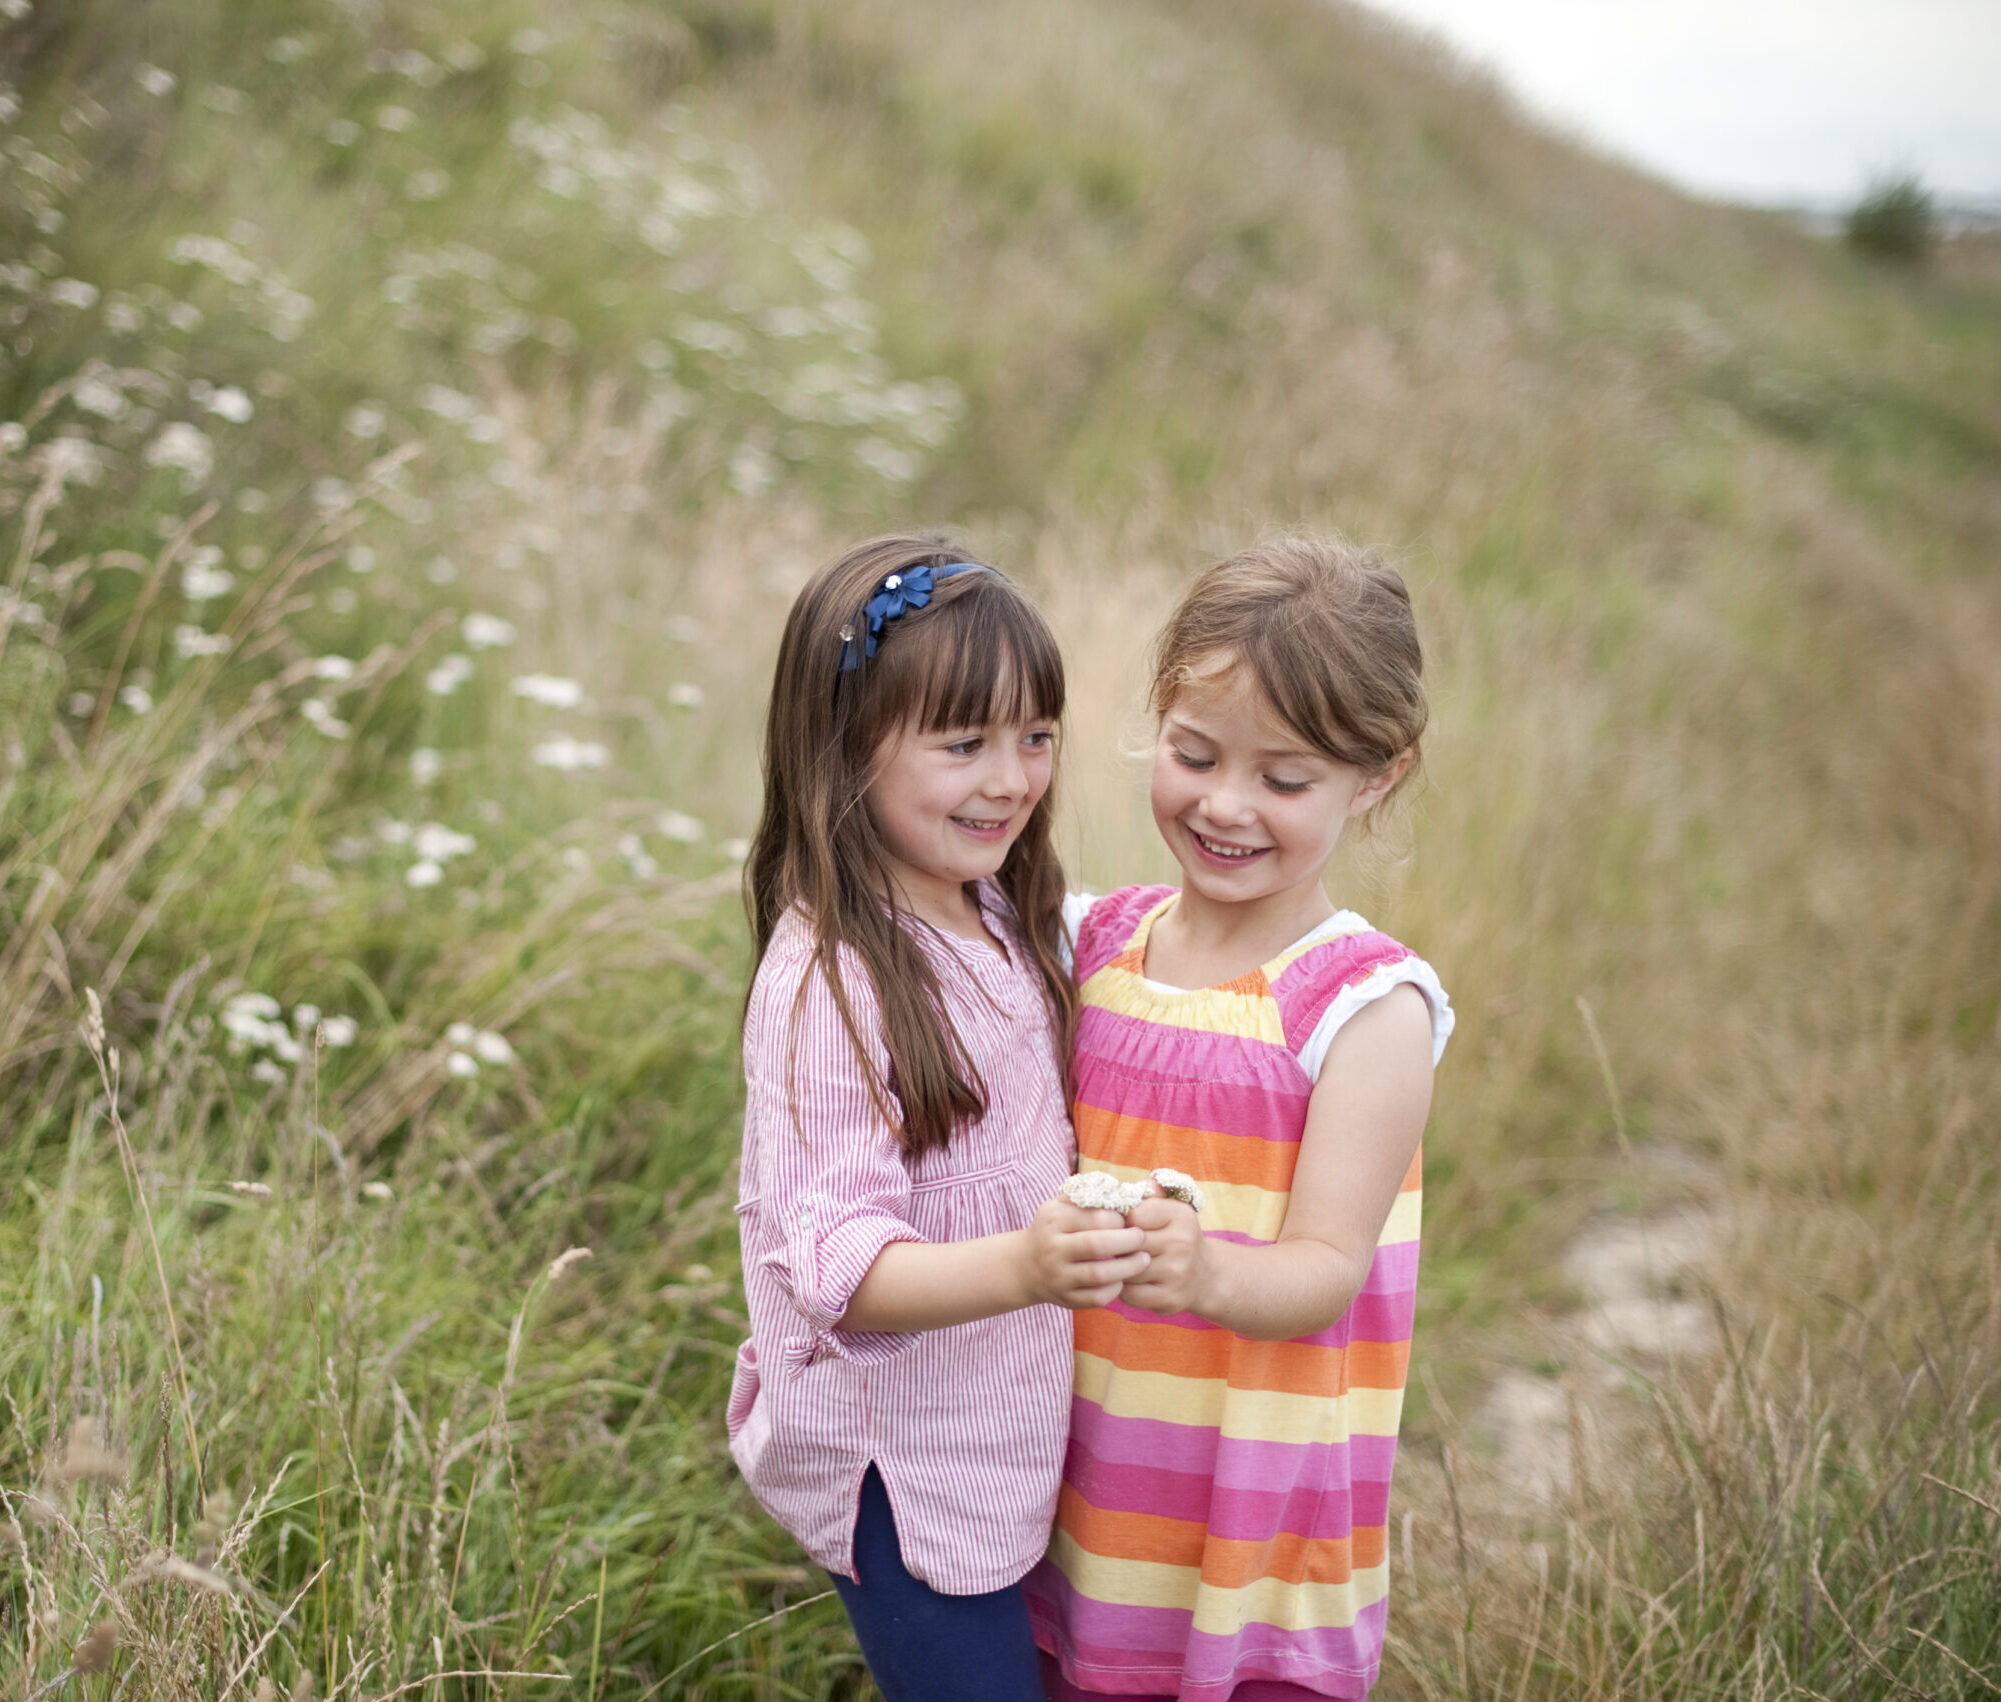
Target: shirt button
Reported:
[(806, 1217)]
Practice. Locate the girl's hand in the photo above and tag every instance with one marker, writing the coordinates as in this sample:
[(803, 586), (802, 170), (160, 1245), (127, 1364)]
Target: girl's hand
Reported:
[(1076, 1258), (1176, 1278)]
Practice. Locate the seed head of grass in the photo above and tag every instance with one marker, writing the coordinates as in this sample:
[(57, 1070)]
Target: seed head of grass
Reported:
[(85, 1457), (94, 1653)]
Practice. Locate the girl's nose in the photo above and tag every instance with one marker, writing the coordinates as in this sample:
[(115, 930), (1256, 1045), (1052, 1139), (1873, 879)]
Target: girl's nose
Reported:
[(1227, 805), (1007, 777)]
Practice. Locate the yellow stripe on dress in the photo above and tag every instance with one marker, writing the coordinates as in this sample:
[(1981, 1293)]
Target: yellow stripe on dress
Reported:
[(1216, 1010), (1255, 1415), (1268, 1601)]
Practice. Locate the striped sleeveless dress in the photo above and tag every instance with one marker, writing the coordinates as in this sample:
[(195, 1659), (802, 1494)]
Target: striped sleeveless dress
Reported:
[(1223, 1517)]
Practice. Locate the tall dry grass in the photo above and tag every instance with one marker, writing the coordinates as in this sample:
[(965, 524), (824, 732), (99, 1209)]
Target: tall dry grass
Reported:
[(1698, 518)]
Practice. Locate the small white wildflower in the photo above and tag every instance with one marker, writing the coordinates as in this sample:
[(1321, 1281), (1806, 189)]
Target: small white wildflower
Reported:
[(422, 874), (377, 1191), (492, 1048), (285, 50), (192, 641), (332, 493), (79, 704), (1178, 1185), (72, 460), (685, 694), (184, 317), (304, 1016), (271, 1074), (577, 858), (393, 832), (341, 600), (185, 448), (318, 714), (550, 689), (441, 571), (563, 1261), (260, 1005), (285, 1049), (679, 826), (136, 698), (427, 184), (204, 577), (155, 81), (251, 1190), (364, 420), (396, 118), (425, 766), (219, 97), (361, 559), (73, 292), (343, 132), (486, 632), (736, 850), (339, 1031), (448, 675), (460, 1034), (99, 396), (13, 437), (251, 500), (231, 404), (560, 751), (460, 1065), (333, 668), (441, 844)]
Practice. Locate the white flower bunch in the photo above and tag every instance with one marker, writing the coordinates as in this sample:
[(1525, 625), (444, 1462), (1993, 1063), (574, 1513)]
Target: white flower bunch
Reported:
[(1098, 1190)]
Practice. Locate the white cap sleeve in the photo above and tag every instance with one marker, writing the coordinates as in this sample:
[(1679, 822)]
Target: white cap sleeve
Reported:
[(1412, 971), (1076, 906)]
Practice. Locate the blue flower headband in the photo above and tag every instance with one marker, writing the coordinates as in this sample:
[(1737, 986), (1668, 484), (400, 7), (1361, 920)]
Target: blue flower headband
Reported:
[(896, 595)]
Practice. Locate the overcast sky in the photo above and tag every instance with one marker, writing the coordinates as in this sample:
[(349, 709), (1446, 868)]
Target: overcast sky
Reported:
[(1756, 100)]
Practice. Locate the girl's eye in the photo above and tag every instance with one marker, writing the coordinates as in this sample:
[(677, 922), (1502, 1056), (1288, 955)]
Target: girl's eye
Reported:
[(1286, 788), (1200, 764), (1041, 739), (966, 747)]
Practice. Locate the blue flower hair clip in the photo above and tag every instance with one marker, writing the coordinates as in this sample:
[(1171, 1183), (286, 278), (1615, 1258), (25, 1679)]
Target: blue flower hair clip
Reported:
[(897, 594)]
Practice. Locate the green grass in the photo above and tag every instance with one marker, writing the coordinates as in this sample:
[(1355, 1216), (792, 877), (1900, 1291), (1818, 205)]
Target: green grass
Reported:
[(1700, 515)]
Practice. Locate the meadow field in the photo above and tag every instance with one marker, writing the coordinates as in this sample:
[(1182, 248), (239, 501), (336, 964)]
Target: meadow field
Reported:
[(414, 420)]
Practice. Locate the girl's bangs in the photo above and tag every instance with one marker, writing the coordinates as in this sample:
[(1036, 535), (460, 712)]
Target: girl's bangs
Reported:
[(986, 658)]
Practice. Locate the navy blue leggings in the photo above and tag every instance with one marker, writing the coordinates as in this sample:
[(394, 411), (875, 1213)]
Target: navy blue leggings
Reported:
[(925, 1647)]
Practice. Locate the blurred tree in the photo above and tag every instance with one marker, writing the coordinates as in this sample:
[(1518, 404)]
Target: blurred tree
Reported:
[(1896, 219)]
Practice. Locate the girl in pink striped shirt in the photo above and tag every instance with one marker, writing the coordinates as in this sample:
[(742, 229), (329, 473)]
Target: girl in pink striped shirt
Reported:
[(902, 1403)]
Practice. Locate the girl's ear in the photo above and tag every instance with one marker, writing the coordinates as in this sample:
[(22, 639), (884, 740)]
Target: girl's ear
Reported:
[(1373, 790)]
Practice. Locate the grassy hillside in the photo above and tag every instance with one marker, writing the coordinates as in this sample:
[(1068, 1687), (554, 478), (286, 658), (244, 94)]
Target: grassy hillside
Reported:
[(416, 418)]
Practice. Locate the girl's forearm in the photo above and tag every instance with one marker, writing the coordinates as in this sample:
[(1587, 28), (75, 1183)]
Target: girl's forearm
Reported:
[(1293, 1287), (926, 1285)]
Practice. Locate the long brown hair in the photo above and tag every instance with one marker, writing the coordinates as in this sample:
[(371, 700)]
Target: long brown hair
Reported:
[(978, 653), (1325, 628)]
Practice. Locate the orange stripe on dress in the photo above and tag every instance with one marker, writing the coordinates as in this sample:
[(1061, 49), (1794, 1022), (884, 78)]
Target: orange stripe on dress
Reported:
[(1115, 1535), (1292, 1559), (1111, 1137), (1281, 1367)]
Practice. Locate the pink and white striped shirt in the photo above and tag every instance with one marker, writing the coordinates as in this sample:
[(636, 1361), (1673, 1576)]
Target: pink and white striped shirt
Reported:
[(966, 1424)]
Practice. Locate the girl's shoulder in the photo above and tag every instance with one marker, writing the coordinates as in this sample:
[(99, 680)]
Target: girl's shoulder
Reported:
[(1339, 968), (1102, 927), (789, 972)]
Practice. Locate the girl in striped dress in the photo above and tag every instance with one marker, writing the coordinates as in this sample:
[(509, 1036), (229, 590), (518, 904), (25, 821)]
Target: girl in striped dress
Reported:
[(901, 1404), (1221, 1530)]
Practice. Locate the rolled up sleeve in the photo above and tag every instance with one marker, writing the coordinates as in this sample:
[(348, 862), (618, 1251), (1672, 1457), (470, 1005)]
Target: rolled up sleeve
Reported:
[(832, 1189)]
